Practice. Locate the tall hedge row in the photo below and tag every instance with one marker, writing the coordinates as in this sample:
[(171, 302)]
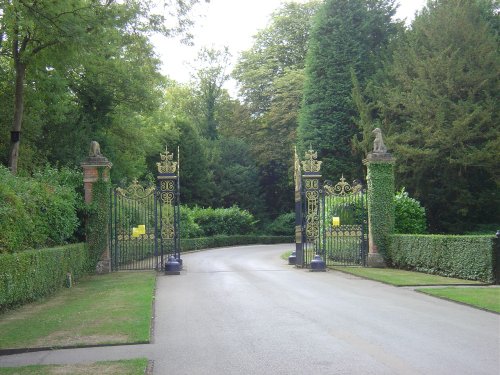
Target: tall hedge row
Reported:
[(465, 257), (30, 275), (39, 211)]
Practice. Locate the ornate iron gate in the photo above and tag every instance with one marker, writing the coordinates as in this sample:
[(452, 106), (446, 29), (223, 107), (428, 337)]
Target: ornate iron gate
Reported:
[(331, 220), (144, 221)]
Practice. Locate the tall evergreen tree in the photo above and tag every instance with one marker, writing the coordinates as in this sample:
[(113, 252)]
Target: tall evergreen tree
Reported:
[(437, 100), (347, 35)]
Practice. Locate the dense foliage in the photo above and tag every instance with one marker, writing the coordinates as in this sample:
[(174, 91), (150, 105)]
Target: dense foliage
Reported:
[(409, 215), (348, 37), (283, 225), (38, 212), (33, 274), (381, 204), (437, 101), (465, 257), (223, 221), (76, 71)]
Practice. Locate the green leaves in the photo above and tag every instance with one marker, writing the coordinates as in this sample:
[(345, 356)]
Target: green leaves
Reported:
[(435, 101), (348, 36), (465, 257)]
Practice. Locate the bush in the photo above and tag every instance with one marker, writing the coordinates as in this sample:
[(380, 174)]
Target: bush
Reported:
[(223, 221), (465, 257), (32, 274), (409, 215), (189, 229), (283, 225), (35, 212), (188, 244)]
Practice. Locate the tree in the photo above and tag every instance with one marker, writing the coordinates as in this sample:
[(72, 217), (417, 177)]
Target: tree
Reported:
[(270, 75), (278, 48), (67, 29), (210, 77), (348, 35), (437, 100)]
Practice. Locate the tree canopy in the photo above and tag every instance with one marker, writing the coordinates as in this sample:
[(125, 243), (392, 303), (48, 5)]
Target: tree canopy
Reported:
[(348, 35), (437, 100)]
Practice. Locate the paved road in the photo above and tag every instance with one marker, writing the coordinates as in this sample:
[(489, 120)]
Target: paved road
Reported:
[(244, 311)]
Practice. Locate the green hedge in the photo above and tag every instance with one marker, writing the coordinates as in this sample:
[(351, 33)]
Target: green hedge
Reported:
[(37, 212), (188, 244), (465, 257), (30, 275), (223, 221)]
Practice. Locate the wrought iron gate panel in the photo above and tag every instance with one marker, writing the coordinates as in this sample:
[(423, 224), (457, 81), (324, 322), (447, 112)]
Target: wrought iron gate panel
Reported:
[(133, 228), (145, 221), (331, 220), (344, 227)]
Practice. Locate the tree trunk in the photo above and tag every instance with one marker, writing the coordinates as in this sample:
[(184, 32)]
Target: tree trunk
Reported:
[(18, 116)]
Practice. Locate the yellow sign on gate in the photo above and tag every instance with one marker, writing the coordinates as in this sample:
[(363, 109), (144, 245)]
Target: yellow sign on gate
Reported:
[(335, 221)]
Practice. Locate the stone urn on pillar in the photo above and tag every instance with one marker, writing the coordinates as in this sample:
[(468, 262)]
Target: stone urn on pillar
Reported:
[(380, 181), (95, 167)]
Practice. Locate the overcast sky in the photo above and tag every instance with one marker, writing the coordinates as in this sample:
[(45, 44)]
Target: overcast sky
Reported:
[(231, 23)]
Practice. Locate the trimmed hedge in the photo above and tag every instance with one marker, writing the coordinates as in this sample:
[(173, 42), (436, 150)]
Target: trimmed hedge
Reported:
[(30, 275), (188, 244), (465, 257)]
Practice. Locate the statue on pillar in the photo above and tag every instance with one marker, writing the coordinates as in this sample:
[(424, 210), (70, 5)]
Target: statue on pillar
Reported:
[(378, 143)]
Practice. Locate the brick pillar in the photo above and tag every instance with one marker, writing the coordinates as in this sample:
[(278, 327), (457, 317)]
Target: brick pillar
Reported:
[(380, 179), (92, 166)]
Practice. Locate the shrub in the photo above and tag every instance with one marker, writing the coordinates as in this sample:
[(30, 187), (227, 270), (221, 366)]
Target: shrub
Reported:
[(32, 274), (223, 221), (466, 257), (283, 225), (409, 214), (189, 229), (34, 212)]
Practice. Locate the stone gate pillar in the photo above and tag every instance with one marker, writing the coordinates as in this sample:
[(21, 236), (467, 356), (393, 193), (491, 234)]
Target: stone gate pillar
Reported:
[(96, 166), (380, 181)]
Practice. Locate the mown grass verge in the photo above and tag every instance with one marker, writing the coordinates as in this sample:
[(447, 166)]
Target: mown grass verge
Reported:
[(485, 298), (108, 309), (403, 278), (125, 367)]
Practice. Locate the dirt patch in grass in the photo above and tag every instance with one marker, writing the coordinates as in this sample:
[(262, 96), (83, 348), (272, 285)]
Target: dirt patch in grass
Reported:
[(65, 338), (126, 367)]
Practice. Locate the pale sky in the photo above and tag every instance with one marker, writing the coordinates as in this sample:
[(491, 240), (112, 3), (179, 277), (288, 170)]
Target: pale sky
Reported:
[(231, 23)]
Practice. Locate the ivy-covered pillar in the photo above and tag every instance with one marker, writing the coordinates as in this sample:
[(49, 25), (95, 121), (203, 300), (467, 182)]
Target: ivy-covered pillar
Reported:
[(380, 181), (96, 184)]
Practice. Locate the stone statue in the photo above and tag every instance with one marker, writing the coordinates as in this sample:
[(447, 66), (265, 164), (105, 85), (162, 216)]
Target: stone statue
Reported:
[(95, 150), (378, 143)]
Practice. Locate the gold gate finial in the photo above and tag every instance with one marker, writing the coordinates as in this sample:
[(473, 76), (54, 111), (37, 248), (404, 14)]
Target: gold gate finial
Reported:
[(167, 164), (311, 164)]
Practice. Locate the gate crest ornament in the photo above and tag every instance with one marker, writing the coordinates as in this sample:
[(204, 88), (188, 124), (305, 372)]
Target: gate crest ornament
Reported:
[(167, 164), (311, 164), (135, 191)]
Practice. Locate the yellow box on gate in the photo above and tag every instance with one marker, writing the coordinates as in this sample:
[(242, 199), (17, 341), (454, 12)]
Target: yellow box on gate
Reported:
[(335, 221)]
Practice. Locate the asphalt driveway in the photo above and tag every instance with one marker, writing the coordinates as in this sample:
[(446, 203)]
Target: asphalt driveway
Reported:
[(243, 310)]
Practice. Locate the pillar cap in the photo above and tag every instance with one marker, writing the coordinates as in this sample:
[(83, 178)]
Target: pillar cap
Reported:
[(96, 161), (379, 157)]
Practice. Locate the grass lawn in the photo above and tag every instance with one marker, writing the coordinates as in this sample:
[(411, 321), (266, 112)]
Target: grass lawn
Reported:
[(109, 309), (402, 277), (485, 298), (286, 254), (128, 367)]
